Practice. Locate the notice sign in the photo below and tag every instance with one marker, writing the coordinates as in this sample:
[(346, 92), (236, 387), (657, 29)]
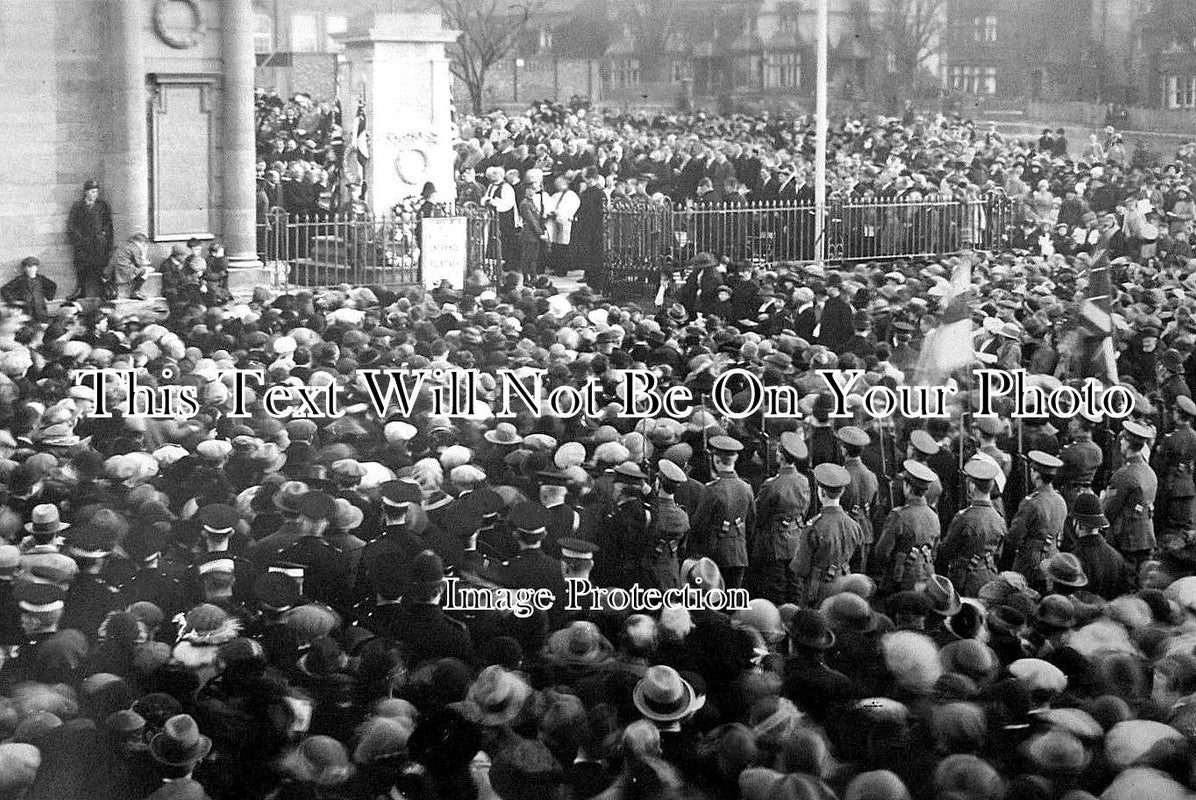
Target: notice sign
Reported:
[(443, 255)]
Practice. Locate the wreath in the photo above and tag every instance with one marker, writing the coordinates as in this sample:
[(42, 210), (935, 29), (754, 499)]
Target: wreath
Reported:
[(179, 41)]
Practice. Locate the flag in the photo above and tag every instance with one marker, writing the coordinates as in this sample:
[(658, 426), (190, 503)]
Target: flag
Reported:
[(1090, 343), (949, 346)]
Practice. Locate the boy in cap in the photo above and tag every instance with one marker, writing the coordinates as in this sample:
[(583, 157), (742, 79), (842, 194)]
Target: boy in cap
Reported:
[(905, 550), (781, 508), (1037, 527), (831, 540), (1128, 500), (968, 553), (726, 513)]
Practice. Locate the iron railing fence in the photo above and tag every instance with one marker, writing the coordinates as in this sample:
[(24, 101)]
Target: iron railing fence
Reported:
[(644, 235), (366, 249)]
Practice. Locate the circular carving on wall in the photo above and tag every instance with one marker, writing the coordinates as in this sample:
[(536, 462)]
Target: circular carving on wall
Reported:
[(180, 39), (412, 165)]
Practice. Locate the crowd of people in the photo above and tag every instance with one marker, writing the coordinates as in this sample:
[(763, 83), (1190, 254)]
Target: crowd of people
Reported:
[(256, 606)]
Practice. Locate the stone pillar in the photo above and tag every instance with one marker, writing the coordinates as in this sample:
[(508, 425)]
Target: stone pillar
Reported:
[(127, 163), (397, 63), (238, 155)]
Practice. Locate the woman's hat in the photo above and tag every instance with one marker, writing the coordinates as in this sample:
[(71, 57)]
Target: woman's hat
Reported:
[(497, 696), (808, 628), (662, 695), (1064, 569), (578, 644), (180, 743)]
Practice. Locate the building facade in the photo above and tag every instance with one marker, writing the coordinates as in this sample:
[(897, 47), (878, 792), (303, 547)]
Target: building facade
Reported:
[(152, 98), (1163, 58)]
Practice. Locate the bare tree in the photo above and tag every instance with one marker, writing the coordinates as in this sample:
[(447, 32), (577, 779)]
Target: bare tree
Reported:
[(653, 25), (490, 31), (914, 30)]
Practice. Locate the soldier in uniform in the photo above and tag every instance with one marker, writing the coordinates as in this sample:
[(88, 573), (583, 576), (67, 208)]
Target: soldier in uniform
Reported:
[(326, 568), (404, 524), (90, 598), (1172, 382), (624, 531), (218, 534), (921, 447), (1037, 527), (563, 519), (969, 552), (826, 546), (577, 562), (860, 496), (906, 548), (532, 568), (1173, 463), (987, 430), (1128, 501), (726, 514), (1081, 457), (41, 606), (153, 580), (425, 632), (781, 508), (669, 524)]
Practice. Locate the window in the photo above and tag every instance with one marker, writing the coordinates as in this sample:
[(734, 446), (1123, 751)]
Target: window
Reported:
[(973, 79), (333, 26), (627, 72), (1181, 91), (749, 71), (782, 71), (304, 35), (984, 29), (545, 42), (679, 71), (263, 31), (787, 24)]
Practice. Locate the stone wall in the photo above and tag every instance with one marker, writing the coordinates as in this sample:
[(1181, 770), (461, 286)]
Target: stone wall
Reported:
[(54, 127)]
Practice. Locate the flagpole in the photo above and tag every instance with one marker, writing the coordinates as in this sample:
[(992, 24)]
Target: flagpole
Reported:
[(820, 134)]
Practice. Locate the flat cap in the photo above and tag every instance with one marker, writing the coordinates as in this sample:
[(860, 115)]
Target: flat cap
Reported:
[(856, 437), (1186, 405), (832, 476), (317, 505)]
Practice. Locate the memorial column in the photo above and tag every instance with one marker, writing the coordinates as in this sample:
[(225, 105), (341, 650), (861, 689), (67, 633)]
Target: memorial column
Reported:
[(238, 155), (127, 168)]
